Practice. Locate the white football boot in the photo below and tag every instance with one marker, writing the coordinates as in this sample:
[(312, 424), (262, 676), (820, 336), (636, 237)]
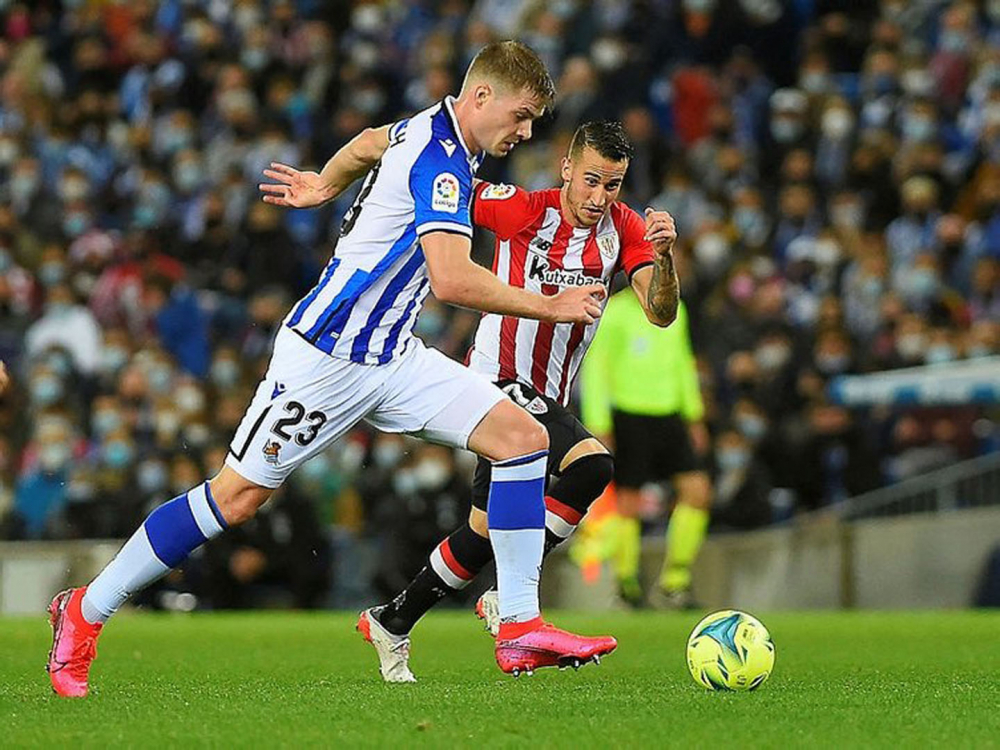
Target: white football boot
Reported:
[(393, 650), (488, 610)]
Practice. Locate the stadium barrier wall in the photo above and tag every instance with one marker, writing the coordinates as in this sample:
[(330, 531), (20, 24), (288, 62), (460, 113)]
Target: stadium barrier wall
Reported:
[(915, 561), (904, 562)]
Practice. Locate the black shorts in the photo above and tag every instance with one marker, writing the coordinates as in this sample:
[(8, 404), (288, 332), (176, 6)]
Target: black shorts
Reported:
[(651, 449), (565, 431)]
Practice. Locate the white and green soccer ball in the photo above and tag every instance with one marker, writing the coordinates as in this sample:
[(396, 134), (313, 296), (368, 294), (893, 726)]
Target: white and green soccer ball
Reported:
[(730, 650)]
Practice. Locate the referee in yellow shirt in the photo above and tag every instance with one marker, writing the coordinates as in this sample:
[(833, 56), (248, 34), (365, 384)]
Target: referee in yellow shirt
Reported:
[(640, 393)]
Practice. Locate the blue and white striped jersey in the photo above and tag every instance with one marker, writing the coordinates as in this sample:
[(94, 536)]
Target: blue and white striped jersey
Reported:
[(369, 295)]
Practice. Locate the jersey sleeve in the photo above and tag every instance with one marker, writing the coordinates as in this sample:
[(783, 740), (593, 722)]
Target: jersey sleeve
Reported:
[(635, 252), (504, 209), (441, 190)]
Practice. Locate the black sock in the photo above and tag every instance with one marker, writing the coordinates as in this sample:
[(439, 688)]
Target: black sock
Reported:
[(465, 547), (422, 593), (552, 540)]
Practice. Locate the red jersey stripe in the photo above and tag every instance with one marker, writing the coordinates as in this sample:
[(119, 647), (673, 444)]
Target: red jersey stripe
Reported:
[(571, 346), (542, 352), (508, 328)]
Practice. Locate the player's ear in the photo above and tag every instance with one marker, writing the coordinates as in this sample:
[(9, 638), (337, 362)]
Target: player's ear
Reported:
[(567, 169), (482, 93)]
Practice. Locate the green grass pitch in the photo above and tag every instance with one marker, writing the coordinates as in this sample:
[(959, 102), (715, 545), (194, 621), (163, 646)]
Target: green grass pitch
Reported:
[(295, 680)]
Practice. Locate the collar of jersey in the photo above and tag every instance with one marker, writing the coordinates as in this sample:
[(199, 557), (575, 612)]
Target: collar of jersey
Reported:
[(449, 107)]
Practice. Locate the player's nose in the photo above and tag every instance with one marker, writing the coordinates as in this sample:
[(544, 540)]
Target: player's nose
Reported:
[(524, 130)]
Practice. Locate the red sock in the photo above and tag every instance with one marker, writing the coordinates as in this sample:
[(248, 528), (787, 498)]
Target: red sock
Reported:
[(511, 630)]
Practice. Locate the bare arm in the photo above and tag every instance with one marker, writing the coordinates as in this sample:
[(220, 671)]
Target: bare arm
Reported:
[(657, 286), (457, 280), (297, 189)]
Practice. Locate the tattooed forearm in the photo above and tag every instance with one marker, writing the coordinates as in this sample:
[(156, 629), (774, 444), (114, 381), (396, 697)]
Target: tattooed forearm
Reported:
[(664, 290)]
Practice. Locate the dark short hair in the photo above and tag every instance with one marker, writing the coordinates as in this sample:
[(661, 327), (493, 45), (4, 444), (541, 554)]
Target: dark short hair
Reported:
[(607, 137), (515, 66)]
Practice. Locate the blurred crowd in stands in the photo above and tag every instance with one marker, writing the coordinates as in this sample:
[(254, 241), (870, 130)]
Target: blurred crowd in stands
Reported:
[(833, 167)]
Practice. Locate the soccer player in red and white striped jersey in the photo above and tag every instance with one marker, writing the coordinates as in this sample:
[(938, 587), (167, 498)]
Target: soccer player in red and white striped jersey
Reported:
[(547, 241)]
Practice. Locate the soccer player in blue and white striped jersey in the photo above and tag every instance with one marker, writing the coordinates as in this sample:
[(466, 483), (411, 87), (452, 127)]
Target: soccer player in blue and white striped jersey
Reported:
[(346, 353)]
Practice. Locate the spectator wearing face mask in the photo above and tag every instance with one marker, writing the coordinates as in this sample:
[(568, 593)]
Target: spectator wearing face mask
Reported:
[(741, 485), (180, 323), (430, 500), (67, 325), (41, 493), (788, 129)]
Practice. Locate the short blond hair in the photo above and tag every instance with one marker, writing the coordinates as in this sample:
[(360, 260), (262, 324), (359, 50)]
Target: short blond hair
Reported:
[(513, 66)]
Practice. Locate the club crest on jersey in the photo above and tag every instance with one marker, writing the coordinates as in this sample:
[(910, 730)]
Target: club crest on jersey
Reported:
[(272, 451), (498, 192), (609, 244), (539, 270), (445, 193), (536, 406)]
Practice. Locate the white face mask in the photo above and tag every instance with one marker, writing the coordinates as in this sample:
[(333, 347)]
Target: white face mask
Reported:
[(837, 124)]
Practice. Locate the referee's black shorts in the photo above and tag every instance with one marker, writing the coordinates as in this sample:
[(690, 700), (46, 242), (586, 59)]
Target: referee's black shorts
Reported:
[(651, 449)]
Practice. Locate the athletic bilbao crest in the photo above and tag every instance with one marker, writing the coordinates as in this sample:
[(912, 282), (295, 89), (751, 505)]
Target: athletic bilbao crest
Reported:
[(609, 244), (272, 450)]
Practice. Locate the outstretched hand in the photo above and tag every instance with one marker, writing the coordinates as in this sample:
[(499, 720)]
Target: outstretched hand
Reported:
[(293, 188)]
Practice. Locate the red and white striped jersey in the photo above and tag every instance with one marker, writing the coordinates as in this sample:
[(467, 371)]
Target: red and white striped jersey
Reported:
[(536, 249)]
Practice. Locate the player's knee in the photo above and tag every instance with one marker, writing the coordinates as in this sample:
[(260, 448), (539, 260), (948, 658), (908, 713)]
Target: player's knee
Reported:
[(479, 522), (529, 437), (590, 475), (696, 491)]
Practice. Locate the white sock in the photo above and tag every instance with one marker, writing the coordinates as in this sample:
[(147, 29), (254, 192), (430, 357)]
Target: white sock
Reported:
[(165, 539), (516, 512)]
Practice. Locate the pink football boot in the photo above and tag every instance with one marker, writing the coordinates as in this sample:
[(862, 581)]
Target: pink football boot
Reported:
[(74, 644), (527, 646)]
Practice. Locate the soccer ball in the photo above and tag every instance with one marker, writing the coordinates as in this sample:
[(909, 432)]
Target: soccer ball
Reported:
[(730, 650)]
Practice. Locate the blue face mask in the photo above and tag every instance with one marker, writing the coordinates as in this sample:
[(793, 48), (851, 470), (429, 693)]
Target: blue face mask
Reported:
[(152, 476), (751, 426), (51, 273), (225, 373), (733, 459), (145, 216), (46, 390), (75, 224), (117, 454), (106, 421), (431, 324), (316, 469)]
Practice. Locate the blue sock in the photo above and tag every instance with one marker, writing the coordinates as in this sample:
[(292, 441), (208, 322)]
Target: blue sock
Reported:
[(516, 513), (167, 536)]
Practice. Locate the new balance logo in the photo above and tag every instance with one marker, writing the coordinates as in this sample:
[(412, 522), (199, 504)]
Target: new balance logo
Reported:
[(539, 270), (543, 245), (449, 146)]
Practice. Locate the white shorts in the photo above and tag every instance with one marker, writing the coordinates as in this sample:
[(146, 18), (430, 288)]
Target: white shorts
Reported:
[(308, 399)]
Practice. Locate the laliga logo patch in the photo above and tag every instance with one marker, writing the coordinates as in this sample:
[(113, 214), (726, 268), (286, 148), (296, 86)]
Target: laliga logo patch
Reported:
[(445, 193), (498, 192), (609, 244), (271, 451)]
